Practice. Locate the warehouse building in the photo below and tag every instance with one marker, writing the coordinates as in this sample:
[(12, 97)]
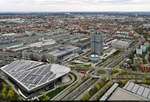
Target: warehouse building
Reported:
[(119, 44), (31, 76), (130, 91), (59, 54)]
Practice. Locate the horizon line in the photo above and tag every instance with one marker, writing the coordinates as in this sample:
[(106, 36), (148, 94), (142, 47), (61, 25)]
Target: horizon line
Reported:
[(63, 11)]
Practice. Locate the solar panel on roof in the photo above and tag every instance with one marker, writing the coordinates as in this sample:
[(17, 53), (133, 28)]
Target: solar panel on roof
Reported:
[(17, 74), (10, 66), (25, 79), (45, 78), (33, 71), (36, 81), (32, 77), (46, 70), (13, 73), (39, 71), (31, 74), (51, 77)]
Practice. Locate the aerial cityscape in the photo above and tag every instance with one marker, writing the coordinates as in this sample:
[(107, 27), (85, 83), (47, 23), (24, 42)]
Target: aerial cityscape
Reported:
[(75, 55)]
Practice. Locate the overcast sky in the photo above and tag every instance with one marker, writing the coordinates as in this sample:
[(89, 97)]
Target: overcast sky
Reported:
[(73, 5)]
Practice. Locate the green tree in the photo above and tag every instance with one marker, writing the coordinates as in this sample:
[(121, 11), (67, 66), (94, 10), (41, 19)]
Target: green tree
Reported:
[(10, 94), (45, 98), (123, 81), (101, 82), (145, 74), (19, 98), (86, 96), (4, 90), (97, 86), (3, 93), (144, 80), (93, 90)]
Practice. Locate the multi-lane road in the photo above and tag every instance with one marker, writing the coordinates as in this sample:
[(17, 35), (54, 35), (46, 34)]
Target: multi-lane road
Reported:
[(74, 94)]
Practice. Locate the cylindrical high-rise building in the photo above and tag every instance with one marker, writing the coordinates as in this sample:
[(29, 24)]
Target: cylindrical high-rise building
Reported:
[(96, 43)]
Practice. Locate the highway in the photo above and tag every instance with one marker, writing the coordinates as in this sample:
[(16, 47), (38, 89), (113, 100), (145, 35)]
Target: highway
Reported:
[(73, 95), (69, 89), (80, 96)]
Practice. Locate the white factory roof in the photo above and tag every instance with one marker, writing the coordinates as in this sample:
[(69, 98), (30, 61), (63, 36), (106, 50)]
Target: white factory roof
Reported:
[(66, 49), (109, 92), (43, 43), (32, 74), (138, 90), (120, 42), (37, 44), (121, 94), (9, 34)]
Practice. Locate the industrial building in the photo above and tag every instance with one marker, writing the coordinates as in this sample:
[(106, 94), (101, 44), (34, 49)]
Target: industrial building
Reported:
[(119, 44), (97, 43), (31, 76), (59, 54), (130, 91)]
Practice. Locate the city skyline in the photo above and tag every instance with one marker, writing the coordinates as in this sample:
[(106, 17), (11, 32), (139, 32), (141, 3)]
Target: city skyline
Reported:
[(73, 5)]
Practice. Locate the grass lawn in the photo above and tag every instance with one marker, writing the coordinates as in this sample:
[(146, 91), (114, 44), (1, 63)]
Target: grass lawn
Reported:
[(55, 92), (101, 72)]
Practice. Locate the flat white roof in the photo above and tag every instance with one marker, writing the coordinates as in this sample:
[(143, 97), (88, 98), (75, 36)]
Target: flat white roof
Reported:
[(32, 74), (43, 43), (121, 94), (67, 49), (120, 42), (137, 89), (108, 93)]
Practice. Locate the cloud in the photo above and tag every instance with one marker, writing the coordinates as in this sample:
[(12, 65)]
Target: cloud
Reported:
[(74, 5)]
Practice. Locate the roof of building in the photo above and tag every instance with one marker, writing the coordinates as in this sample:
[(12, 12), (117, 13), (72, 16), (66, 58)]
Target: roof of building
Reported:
[(94, 56), (63, 50), (138, 89), (121, 94), (36, 44), (108, 93), (43, 43), (32, 74), (120, 42)]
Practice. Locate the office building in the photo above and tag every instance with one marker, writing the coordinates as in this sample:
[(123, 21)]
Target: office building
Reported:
[(96, 43)]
